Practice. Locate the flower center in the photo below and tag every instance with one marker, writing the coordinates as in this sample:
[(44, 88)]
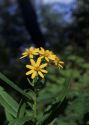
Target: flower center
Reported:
[(46, 54), (37, 68), (30, 52)]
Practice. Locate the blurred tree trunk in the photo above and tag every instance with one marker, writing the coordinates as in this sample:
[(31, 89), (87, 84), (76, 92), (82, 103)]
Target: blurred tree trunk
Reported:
[(31, 23)]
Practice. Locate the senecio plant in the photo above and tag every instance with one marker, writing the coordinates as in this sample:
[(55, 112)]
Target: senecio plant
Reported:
[(26, 113), (39, 61)]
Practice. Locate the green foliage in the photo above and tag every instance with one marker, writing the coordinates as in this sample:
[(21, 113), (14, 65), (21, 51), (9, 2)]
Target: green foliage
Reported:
[(18, 114), (8, 103), (72, 82), (14, 86)]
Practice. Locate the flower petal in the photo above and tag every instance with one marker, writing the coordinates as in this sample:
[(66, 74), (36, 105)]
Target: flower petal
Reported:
[(44, 71), (30, 56), (41, 75), (38, 61), (32, 62), (60, 66), (35, 53), (43, 65), (47, 59), (41, 57), (42, 49), (23, 56), (37, 50), (52, 57), (31, 48), (29, 67), (29, 72), (61, 62), (34, 75)]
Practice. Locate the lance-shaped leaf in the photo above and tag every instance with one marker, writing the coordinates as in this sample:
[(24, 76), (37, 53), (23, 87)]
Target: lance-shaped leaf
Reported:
[(21, 121), (21, 110), (10, 105), (14, 86)]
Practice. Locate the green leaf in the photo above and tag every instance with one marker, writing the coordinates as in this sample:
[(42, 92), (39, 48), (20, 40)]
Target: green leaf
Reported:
[(9, 117), (57, 106), (20, 121), (8, 102), (85, 65), (31, 94), (21, 109), (65, 89), (13, 85)]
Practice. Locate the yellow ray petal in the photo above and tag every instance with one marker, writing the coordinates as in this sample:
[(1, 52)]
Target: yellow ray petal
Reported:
[(44, 71), (34, 75), (29, 72), (26, 50), (29, 67), (60, 66), (38, 61), (25, 53), (61, 62), (31, 56), (41, 75), (52, 57), (41, 52), (32, 62), (41, 57), (32, 48), (42, 49), (35, 53), (43, 65), (37, 50), (23, 56), (47, 59)]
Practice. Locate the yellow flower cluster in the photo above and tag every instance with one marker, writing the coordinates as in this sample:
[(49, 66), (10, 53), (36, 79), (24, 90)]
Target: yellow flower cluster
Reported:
[(43, 58)]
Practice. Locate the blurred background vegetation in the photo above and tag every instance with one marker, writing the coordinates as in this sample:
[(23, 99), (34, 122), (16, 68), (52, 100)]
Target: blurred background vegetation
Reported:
[(66, 31)]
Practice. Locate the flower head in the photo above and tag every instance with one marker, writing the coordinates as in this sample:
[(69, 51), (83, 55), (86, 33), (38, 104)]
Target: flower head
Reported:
[(30, 52), (58, 62), (48, 55), (36, 68), (39, 60)]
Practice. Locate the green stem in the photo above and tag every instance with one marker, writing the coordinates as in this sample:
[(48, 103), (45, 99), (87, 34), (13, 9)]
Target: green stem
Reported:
[(35, 109), (35, 106)]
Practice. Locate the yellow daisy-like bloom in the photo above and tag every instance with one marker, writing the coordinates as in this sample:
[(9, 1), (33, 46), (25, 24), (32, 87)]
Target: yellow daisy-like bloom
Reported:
[(58, 62), (48, 55), (36, 68), (30, 52)]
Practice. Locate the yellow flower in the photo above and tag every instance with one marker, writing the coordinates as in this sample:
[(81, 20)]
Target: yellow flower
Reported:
[(36, 68), (48, 55), (30, 52), (58, 62)]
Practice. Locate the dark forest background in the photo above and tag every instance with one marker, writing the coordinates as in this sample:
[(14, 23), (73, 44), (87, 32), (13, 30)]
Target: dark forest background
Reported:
[(23, 24)]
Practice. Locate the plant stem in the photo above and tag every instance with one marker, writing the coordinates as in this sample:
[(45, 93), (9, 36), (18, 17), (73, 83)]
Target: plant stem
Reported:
[(35, 106)]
